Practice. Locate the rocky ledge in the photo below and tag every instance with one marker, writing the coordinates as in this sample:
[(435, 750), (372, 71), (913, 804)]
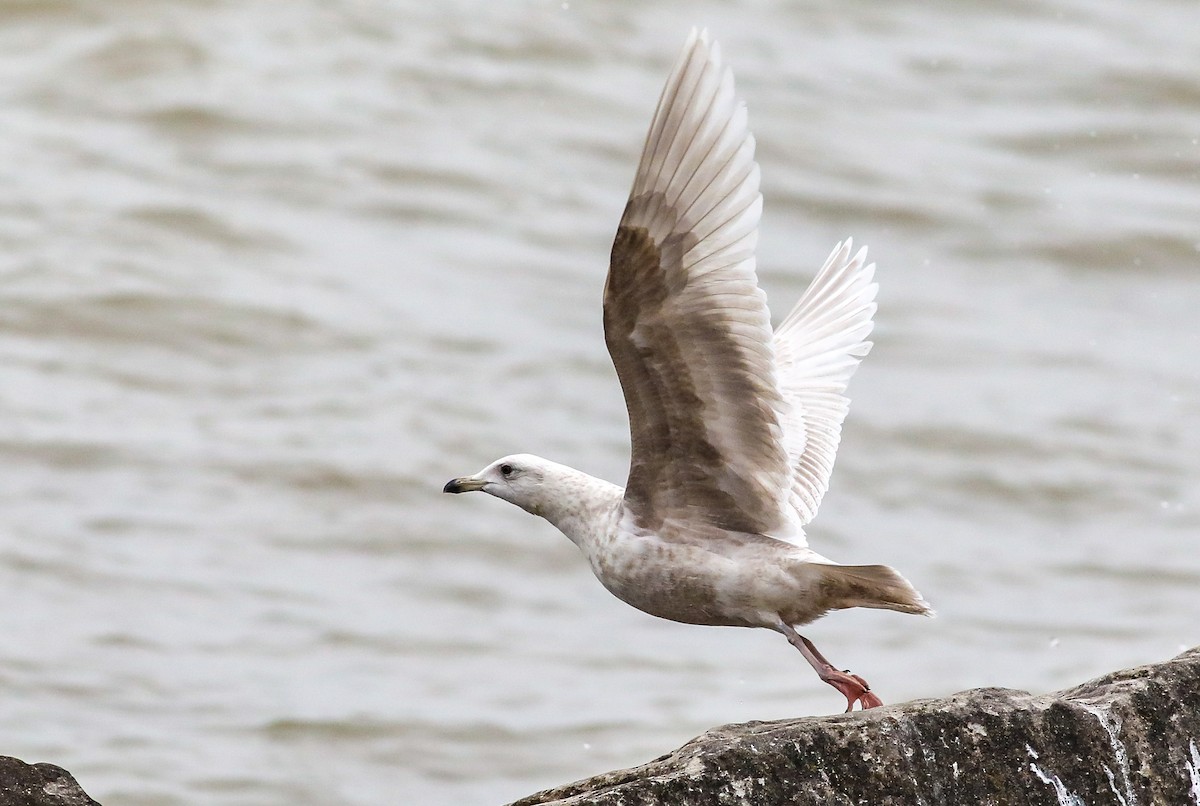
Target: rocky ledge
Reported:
[(24, 784), (1131, 737)]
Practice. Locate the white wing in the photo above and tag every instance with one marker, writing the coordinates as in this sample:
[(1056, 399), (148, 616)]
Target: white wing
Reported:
[(817, 348)]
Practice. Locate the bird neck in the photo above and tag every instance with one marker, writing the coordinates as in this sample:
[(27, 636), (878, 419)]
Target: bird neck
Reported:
[(580, 505)]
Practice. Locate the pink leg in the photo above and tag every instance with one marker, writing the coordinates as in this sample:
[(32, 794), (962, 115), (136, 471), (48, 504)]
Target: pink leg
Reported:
[(852, 687)]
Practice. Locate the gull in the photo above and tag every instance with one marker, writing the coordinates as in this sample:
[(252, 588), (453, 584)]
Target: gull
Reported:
[(733, 427)]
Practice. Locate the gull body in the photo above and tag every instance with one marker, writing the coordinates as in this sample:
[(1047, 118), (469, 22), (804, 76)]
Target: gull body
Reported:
[(734, 427), (714, 577)]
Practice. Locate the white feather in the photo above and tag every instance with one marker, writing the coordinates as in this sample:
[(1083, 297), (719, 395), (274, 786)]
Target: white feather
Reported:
[(817, 348)]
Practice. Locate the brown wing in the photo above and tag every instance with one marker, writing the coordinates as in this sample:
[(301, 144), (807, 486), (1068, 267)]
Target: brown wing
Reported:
[(686, 324)]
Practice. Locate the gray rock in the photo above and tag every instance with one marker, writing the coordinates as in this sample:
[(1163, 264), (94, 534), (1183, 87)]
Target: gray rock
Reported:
[(1131, 738), (24, 784)]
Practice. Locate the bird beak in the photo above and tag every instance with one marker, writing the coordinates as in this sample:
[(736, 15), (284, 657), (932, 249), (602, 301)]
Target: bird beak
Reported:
[(465, 484)]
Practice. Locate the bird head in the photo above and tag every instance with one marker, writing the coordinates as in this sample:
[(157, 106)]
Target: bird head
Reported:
[(516, 479)]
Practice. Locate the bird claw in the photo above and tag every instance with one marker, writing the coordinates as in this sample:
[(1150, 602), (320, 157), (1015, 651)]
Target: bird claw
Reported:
[(869, 700), (854, 689)]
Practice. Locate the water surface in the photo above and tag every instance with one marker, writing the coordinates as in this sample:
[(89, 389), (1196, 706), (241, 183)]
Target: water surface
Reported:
[(270, 274)]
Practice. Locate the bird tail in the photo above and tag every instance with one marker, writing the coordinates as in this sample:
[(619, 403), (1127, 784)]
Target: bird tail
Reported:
[(872, 586)]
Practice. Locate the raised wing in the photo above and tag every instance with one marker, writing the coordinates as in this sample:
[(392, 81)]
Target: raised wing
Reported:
[(817, 348), (686, 324)]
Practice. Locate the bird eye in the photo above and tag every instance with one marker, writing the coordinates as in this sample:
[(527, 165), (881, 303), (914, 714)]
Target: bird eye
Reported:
[(506, 470)]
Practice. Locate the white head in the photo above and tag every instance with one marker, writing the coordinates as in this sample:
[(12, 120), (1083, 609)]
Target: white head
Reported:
[(517, 479), (578, 504)]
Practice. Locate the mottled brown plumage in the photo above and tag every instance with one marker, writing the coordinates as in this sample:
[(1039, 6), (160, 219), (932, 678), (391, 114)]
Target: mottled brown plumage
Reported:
[(733, 429), (678, 464)]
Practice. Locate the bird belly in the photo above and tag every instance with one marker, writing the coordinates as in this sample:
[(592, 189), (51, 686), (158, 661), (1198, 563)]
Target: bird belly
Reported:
[(692, 585), (676, 596)]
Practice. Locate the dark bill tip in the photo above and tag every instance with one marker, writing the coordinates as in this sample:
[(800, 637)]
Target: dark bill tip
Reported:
[(452, 486)]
